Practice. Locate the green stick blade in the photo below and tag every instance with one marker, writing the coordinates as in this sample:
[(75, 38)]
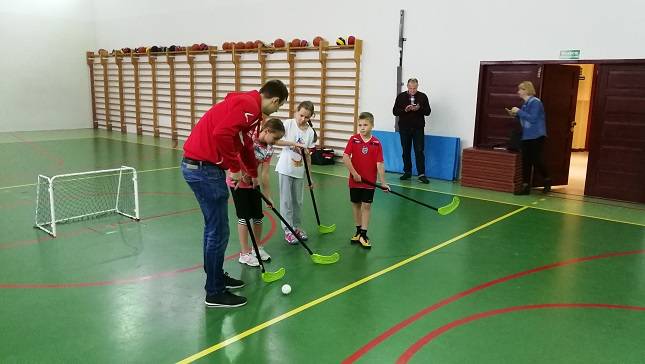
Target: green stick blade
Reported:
[(452, 206), (325, 259), (326, 229), (269, 277)]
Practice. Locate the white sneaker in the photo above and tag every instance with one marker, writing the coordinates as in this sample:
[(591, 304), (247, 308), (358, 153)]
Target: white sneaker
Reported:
[(248, 259), (263, 254)]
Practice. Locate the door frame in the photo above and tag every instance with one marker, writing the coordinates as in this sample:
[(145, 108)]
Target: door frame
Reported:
[(594, 85), (595, 62)]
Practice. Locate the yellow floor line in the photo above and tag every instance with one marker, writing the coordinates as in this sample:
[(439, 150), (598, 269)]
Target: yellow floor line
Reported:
[(342, 290), (503, 202), (143, 171), (17, 186), (482, 198)]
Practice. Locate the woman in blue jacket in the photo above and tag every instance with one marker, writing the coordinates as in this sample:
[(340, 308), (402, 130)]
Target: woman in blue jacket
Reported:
[(531, 117)]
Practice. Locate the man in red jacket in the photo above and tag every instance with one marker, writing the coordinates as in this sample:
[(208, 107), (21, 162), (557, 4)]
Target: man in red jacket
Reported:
[(221, 141)]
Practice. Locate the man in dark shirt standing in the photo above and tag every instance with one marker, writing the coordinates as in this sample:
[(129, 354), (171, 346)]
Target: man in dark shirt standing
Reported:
[(412, 107)]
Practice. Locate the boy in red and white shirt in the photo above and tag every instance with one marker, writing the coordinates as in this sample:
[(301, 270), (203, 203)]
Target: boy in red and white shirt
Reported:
[(248, 203), (363, 157)]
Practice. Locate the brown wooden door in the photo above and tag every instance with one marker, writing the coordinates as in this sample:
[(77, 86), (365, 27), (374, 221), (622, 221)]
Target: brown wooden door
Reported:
[(498, 90), (616, 167), (558, 93)]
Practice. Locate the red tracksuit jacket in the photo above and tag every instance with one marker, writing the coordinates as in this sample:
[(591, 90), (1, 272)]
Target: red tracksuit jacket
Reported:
[(222, 136)]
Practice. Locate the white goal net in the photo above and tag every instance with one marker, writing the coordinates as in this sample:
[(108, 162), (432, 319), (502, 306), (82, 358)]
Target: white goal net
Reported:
[(76, 196)]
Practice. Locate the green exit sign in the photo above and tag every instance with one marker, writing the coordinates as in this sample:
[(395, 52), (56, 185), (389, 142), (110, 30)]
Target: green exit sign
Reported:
[(570, 54)]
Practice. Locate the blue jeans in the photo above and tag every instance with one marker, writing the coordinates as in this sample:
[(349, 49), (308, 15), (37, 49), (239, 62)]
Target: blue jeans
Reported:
[(209, 185)]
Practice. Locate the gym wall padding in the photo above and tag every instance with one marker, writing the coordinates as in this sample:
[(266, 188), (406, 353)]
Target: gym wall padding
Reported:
[(442, 155)]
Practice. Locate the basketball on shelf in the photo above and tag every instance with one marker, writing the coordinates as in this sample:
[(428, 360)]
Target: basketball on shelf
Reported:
[(317, 41), (340, 41), (259, 44), (351, 40), (250, 45), (240, 45), (279, 43), (295, 42)]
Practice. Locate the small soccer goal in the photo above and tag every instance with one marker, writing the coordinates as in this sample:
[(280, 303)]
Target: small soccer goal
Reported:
[(77, 196)]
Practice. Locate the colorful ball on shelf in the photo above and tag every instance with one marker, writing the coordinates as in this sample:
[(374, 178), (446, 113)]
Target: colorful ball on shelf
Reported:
[(304, 43), (251, 45), (351, 40), (295, 42), (259, 44), (279, 43), (340, 41), (240, 45), (317, 41)]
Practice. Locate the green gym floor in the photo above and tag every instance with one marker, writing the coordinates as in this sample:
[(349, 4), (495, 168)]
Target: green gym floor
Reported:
[(504, 279)]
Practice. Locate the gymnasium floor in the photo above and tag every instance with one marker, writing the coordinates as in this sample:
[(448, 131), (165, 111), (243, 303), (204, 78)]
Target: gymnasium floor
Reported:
[(503, 279)]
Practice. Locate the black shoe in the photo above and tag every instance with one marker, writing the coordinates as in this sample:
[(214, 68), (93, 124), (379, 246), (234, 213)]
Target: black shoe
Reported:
[(525, 190), (232, 283), (224, 299), (547, 185), (424, 179), (405, 176)]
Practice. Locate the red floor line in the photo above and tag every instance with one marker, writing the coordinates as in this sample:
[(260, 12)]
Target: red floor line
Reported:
[(396, 328), (42, 151), (103, 283), (72, 233), (414, 348), (133, 279)]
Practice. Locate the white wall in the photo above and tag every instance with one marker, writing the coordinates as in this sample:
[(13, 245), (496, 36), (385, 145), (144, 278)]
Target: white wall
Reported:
[(45, 82), (446, 40)]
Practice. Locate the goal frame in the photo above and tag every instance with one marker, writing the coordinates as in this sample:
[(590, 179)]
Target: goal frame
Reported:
[(49, 182)]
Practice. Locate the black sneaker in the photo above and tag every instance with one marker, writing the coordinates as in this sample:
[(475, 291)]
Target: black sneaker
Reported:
[(405, 176), (232, 283), (424, 179), (224, 300), (525, 190), (547, 185)]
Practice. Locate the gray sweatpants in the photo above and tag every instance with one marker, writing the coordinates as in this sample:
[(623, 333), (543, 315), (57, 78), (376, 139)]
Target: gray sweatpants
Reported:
[(291, 192)]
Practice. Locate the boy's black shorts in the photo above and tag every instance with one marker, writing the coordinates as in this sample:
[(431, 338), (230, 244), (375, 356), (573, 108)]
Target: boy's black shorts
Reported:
[(248, 203), (358, 195)]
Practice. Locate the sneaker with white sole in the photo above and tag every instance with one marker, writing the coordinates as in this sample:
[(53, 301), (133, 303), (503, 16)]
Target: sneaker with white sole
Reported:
[(232, 283), (302, 234), (249, 259), (290, 238), (263, 254), (224, 299)]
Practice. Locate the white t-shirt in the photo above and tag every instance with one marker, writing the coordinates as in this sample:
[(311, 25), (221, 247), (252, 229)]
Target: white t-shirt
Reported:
[(290, 162)]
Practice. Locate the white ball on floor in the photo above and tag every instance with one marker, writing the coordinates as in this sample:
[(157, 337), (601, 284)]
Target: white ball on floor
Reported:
[(286, 289)]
